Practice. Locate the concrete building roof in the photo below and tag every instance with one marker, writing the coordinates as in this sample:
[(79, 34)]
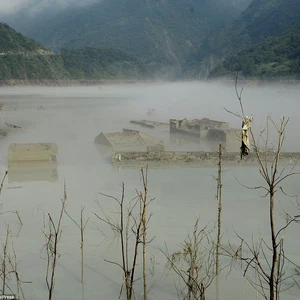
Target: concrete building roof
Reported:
[(121, 138), (21, 147), (31, 152), (128, 139)]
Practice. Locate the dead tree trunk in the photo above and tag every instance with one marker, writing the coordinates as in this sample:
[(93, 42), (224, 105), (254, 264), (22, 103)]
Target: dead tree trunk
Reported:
[(219, 198)]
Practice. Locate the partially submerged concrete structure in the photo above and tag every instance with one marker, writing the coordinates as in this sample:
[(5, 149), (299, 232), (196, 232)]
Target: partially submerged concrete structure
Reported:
[(209, 130), (30, 153), (128, 140), (36, 171), (150, 124), (32, 162), (196, 127), (230, 138)]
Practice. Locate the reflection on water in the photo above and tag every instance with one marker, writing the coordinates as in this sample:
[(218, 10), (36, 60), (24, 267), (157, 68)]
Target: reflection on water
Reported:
[(26, 172)]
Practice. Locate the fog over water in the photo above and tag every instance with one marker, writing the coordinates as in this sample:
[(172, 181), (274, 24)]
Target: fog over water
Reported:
[(72, 117)]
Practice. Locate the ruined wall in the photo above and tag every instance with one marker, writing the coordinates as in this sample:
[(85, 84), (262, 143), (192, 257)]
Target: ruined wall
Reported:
[(216, 135), (203, 133), (233, 140), (102, 139)]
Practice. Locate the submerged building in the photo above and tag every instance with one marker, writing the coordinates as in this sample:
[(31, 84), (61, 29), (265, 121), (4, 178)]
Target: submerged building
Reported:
[(208, 130), (196, 127), (30, 153), (32, 162), (128, 140)]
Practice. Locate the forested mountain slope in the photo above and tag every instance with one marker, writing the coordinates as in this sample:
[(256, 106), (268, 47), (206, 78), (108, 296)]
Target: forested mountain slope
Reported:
[(160, 32), (262, 19), (14, 42), (276, 57), (22, 58)]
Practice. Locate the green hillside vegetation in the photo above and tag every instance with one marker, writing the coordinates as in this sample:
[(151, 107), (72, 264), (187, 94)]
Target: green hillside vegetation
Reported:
[(277, 56), (158, 38), (86, 63), (14, 42), (262, 19), (161, 33), (22, 58), (102, 63), (28, 67)]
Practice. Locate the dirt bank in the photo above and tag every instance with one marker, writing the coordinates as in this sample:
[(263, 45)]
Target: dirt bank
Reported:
[(86, 82), (44, 82)]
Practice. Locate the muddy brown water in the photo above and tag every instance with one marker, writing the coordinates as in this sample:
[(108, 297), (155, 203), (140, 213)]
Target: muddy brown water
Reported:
[(72, 117)]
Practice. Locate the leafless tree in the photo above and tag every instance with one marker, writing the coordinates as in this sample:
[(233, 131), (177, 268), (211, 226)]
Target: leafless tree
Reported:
[(143, 215), (130, 228), (9, 272), (81, 226), (4, 262), (219, 233), (13, 212), (2, 182), (12, 259), (194, 263), (52, 236), (219, 198), (268, 266)]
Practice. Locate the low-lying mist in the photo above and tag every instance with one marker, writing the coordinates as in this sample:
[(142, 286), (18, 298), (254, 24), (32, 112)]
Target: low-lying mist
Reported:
[(95, 109), (170, 100)]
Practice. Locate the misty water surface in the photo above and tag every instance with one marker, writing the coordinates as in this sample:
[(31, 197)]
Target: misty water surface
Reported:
[(72, 117)]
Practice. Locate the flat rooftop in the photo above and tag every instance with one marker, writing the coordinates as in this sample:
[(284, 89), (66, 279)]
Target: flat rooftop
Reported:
[(22, 147)]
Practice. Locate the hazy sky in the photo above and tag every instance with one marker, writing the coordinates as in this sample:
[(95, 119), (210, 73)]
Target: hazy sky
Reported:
[(8, 7)]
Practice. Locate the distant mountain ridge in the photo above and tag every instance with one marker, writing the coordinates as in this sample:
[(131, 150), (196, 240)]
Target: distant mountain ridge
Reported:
[(262, 19), (22, 58), (168, 39), (277, 57), (12, 42), (160, 32)]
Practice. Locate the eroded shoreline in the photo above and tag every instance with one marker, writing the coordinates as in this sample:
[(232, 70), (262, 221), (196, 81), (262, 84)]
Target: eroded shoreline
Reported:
[(88, 82)]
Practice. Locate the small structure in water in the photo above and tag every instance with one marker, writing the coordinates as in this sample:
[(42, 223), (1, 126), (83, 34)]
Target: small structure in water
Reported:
[(32, 162), (196, 127), (128, 140), (31, 153), (28, 172), (208, 130), (150, 124)]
